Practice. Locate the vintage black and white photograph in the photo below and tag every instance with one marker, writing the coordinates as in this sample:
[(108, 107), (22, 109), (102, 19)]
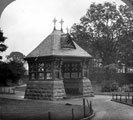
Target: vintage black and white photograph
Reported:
[(66, 59)]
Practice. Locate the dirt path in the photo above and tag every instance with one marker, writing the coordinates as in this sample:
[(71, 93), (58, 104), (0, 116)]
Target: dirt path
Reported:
[(105, 109)]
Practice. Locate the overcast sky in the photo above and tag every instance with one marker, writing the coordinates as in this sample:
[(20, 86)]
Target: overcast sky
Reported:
[(27, 22)]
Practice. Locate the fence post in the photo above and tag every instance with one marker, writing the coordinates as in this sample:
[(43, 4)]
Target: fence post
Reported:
[(84, 107), (112, 96), (49, 115), (120, 97), (4, 90), (88, 103), (72, 114), (9, 91), (128, 95), (125, 98), (13, 90), (90, 107), (116, 96)]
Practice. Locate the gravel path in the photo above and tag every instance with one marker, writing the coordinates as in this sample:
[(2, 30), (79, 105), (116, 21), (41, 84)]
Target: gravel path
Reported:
[(105, 109)]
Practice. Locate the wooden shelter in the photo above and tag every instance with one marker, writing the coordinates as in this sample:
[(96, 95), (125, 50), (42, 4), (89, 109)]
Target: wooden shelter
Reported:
[(58, 67)]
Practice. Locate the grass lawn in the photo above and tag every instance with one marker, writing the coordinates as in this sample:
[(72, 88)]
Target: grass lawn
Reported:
[(38, 110)]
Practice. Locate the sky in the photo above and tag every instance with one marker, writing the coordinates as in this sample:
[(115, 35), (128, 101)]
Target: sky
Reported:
[(26, 23)]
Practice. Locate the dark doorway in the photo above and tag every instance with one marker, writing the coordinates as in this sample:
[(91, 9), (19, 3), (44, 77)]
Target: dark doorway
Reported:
[(71, 72)]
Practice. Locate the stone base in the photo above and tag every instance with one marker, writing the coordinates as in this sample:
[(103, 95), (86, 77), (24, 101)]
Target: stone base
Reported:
[(45, 90), (86, 87)]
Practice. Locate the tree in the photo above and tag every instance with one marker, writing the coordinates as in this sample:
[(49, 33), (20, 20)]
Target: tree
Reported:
[(5, 73), (13, 70), (126, 43), (3, 47), (16, 57), (17, 69), (98, 32), (16, 65)]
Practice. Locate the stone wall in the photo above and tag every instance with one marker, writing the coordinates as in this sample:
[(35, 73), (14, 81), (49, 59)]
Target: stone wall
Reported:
[(45, 90), (55, 90), (87, 89)]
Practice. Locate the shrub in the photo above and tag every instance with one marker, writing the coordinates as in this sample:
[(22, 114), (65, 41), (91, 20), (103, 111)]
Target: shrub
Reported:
[(17, 69), (110, 88), (131, 87), (114, 87), (5, 74), (127, 88), (10, 73), (106, 88)]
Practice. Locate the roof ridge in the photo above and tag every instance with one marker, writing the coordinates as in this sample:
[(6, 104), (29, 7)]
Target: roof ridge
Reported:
[(51, 46)]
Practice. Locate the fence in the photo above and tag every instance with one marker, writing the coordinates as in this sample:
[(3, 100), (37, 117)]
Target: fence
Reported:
[(123, 98), (7, 90)]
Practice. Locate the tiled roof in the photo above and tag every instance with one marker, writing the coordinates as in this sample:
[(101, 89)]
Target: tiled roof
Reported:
[(51, 46)]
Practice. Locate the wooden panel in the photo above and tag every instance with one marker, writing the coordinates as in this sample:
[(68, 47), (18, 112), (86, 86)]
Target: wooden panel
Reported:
[(71, 70)]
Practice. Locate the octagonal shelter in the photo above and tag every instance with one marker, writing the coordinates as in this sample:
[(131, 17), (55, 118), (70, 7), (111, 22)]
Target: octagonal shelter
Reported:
[(58, 67)]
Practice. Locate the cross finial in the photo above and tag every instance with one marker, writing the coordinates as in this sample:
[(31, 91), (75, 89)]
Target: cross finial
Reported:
[(54, 21), (61, 22), (67, 30)]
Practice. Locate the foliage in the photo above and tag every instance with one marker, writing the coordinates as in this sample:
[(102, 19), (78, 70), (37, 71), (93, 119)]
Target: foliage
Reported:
[(131, 87), (114, 86), (12, 71), (17, 69), (3, 47), (106, 88), (106, 32), (110, 70), (110, 87), (95, 67), (125, 55), (16, 56), (98, 28), (5, 73), (127, 88), (94, 70)]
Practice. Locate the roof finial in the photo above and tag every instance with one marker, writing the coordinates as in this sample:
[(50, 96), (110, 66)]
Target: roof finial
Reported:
[(61, 22), (54, 21), (67, 30)]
